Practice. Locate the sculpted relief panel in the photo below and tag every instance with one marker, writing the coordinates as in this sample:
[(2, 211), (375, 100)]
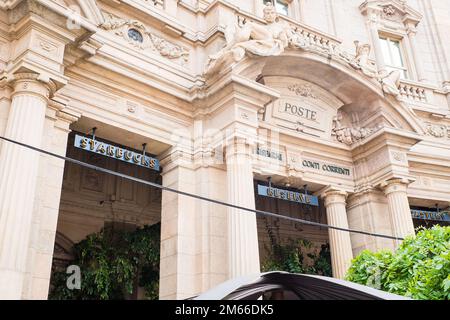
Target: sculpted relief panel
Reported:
[(437, 130), (309, 109), (276, 35), (139, 36), (303, 107)]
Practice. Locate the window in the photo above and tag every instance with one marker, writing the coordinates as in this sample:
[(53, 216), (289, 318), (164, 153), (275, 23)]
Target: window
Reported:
[(281, 6), (135, 35), (393, 57)]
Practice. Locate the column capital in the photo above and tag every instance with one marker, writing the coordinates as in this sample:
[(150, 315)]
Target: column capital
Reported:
[(29, 82), (239, 145), (395, 185), (411, 30), (333, 195), (373, 14)]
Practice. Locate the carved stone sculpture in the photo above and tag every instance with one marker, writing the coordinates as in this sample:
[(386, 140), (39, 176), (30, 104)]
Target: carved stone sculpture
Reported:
[(362, 61), (437, 131), (390, 83), (275, 36), (349, 135), (261, 40), (149, 41)]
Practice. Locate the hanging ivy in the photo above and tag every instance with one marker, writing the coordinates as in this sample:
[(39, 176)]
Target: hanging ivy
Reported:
[(113, 265), (290, 255)]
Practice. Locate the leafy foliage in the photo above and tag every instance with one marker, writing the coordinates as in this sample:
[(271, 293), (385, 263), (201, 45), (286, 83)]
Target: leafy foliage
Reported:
[(419, 268), (112, 264), (290, 256)]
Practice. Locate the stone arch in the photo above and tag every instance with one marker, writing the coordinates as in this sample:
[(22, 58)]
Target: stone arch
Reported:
[(88, 9), (62, 252), (360, 94)]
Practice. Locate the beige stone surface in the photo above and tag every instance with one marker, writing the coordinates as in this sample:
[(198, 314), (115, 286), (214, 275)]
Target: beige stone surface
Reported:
[(382, 140)]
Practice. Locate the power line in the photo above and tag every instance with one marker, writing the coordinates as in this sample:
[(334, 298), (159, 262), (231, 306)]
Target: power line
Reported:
[(155, 185)]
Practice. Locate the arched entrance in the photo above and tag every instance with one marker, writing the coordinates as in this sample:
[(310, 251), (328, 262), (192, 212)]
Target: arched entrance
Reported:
[(337, 128), (99, 210)]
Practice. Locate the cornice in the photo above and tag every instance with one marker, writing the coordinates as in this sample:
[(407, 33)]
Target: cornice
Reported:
[(9, 4), (409, 16)]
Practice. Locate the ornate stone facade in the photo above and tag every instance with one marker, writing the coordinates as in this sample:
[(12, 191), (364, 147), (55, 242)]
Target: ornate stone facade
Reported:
[(202, 85)]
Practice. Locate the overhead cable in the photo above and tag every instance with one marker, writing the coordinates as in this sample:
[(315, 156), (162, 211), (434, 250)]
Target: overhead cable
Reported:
[(229, 205)]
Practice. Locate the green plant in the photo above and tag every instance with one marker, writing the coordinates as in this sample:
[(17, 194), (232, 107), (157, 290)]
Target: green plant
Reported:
[(419, 268), (290, 256), (112, 264)]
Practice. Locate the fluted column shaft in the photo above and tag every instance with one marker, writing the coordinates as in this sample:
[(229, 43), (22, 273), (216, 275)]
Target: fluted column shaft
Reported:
[(242, 229), (340, 244), (18, 176), (399, 210)]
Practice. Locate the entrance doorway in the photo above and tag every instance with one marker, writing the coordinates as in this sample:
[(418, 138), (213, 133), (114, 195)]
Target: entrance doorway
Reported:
[(289, 246), (96, 206)]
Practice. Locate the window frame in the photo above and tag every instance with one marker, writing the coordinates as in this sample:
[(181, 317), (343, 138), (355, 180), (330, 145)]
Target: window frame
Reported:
[(390, 39), (274, 3)]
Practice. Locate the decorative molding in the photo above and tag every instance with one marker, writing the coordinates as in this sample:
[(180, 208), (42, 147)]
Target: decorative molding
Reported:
[(349, 135), (437, 131), (248, 38), (303, 90), (399, 156), (391, 11), (154, 43), (412, 92), (156, 3)]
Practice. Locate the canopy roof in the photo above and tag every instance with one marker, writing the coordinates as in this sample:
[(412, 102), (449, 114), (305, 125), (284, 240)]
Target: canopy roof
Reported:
[(288, 286)]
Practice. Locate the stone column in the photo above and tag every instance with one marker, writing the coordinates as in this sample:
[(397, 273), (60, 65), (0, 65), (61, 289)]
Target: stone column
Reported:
[(340, 244), (18, 176), (375, 37), (399, 211), (412, 31), (242, 231)]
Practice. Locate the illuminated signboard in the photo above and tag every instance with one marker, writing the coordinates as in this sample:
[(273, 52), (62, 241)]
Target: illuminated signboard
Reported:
[(288, 195), (118, 153), (269, 153), (431, 215)]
